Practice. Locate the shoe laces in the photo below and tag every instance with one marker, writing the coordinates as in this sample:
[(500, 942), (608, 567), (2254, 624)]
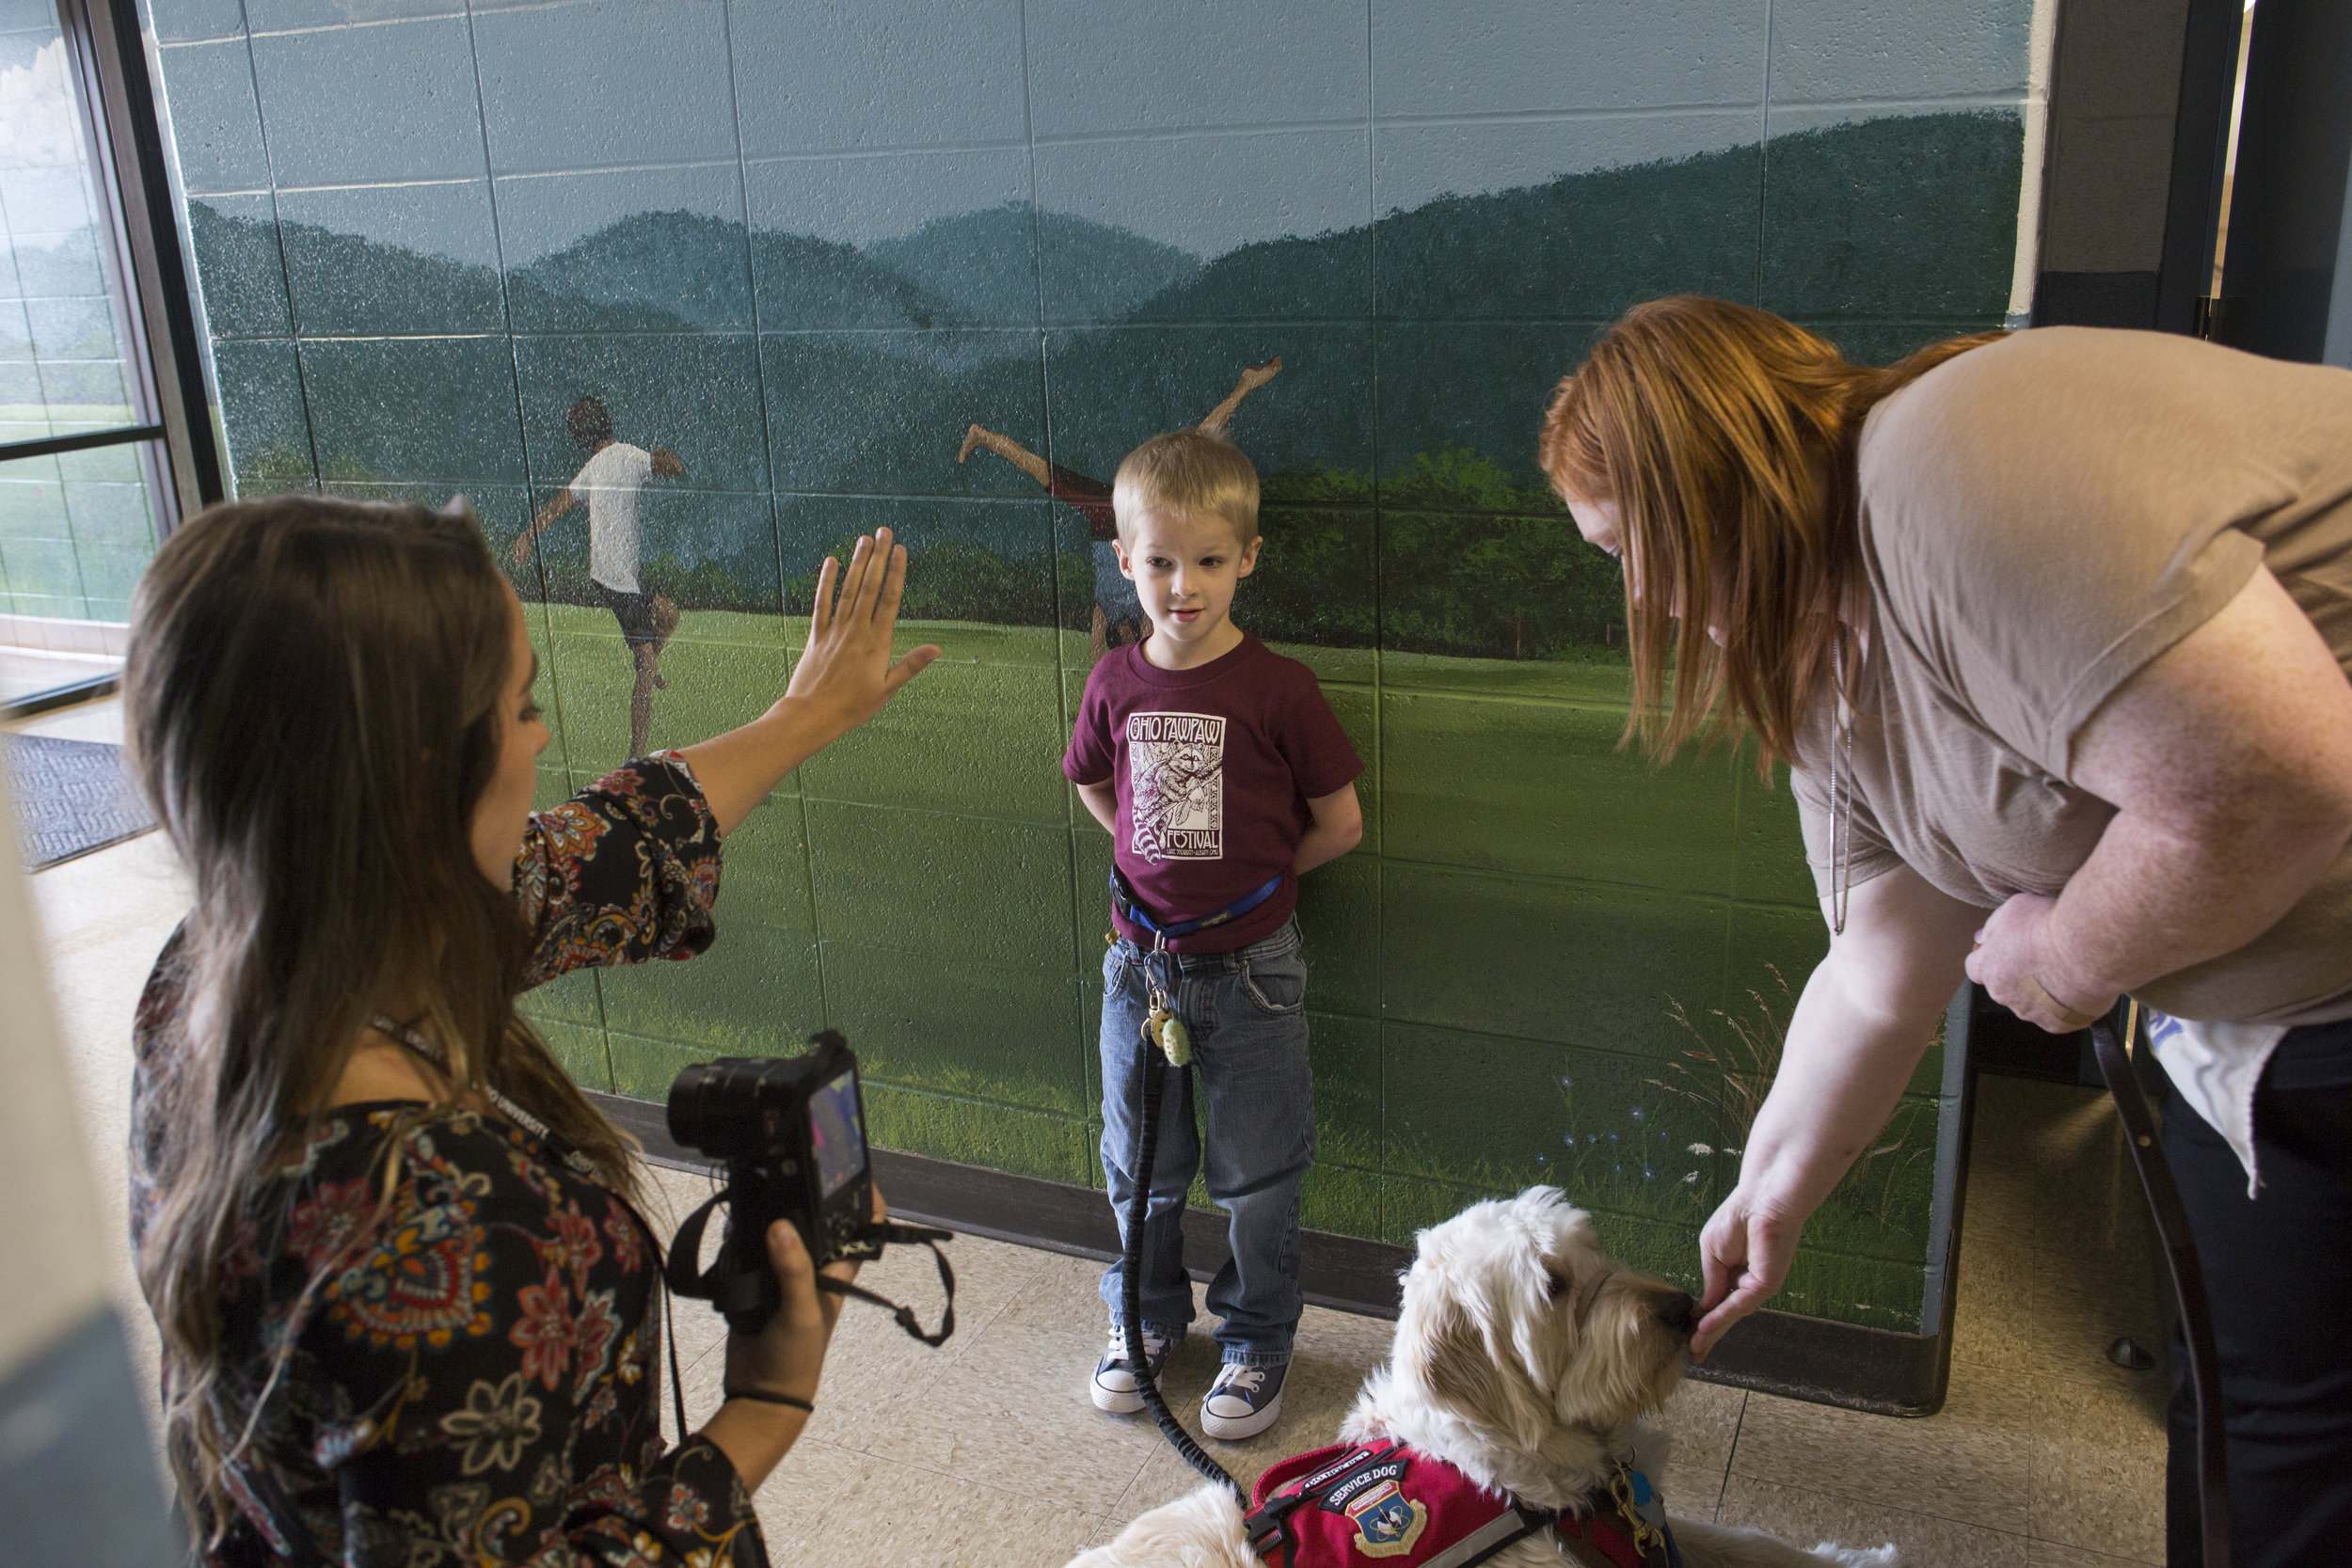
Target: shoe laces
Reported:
[(1234, 1375), (1154, 1345)]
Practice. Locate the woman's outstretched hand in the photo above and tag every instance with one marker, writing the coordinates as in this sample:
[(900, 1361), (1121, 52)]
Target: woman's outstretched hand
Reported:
[(1744, 1254), (843, 678), (846, 672)]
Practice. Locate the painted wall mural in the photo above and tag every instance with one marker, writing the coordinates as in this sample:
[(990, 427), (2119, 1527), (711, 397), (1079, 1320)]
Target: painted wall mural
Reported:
[(939, 265)]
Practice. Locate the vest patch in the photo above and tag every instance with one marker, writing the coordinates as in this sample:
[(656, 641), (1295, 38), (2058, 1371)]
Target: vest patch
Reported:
[(1387, 1523)]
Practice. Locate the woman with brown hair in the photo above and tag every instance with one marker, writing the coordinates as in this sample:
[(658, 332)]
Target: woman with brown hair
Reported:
[(408, 1305), (2052, 631)]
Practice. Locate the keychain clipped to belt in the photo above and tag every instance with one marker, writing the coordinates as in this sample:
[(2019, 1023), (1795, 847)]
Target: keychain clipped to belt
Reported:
[(1162, 1029)]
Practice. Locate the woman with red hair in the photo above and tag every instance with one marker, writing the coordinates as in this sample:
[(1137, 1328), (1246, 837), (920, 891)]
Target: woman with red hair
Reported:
[(2052, 631)]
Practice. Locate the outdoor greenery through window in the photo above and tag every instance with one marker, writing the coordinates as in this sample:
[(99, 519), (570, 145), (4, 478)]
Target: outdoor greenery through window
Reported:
[(76, 529)]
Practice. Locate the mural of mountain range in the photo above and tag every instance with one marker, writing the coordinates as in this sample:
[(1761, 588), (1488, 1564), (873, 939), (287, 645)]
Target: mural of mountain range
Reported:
[(870, 363)]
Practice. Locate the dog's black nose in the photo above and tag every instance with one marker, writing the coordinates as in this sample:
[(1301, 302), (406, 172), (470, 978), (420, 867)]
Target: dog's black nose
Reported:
[(1679, 1313)]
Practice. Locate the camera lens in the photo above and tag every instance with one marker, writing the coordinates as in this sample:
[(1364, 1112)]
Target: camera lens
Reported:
[(699, 1107)]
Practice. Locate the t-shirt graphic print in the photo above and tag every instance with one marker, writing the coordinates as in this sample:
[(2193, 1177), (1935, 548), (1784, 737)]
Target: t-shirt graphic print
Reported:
[(1176, 771)]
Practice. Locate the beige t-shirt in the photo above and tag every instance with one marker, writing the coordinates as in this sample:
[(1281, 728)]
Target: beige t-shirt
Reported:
[(2041, 518)]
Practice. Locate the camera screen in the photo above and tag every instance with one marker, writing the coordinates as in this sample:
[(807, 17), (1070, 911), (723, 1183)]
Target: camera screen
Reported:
[(832, 1127)]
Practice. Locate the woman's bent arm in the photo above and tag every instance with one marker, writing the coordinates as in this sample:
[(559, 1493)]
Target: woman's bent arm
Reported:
[(2228, 759), (1857, 1034)]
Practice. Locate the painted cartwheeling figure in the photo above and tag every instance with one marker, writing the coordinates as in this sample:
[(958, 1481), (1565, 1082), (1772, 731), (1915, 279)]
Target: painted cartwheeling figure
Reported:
[(609, 484), (1118, 613)]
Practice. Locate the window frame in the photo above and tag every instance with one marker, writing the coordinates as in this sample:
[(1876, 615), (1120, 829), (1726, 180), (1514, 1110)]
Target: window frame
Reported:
[(155, 312)]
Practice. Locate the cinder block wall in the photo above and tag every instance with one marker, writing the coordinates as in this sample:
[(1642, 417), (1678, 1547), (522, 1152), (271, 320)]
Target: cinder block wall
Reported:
[(803, 245)]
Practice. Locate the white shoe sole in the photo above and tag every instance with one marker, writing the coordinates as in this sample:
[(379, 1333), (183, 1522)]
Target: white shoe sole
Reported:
[(1235, 1429), (1117, 1402)]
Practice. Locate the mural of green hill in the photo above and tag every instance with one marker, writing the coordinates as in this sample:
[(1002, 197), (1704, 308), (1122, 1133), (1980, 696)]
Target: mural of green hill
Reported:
[(980, 266), (650, 272), (1417, 519)]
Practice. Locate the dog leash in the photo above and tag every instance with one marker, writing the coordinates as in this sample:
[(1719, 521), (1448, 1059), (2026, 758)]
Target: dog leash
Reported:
[(2188, 1281)]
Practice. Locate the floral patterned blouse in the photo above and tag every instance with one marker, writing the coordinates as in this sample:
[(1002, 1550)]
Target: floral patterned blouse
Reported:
[(477, 1383)]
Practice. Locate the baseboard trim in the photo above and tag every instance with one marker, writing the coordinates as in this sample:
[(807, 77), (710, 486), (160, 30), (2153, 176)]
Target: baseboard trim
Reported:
[(1772, 1353), (34, 702)]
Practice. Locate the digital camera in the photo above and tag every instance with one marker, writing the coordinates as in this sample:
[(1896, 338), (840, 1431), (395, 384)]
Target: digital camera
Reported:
[(791, 1132)]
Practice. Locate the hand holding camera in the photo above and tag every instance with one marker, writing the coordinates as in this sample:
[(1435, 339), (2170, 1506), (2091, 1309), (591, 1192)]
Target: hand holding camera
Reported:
[(772, 1373), (785, 1357), (803, 1213)]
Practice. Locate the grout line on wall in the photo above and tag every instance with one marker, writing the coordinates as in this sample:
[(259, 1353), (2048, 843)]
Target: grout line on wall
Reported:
[(368, 24), (896, 149), (360, 185), (1379, 717), (662, 165), (1053, 550), (1723, 1485), (514, 355), (1933, 102), (1348, 126), (285, 273), (1763, 155), (775, 506)]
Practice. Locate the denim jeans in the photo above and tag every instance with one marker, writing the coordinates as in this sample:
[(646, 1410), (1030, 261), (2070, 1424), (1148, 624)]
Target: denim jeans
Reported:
[(1250, 1080)]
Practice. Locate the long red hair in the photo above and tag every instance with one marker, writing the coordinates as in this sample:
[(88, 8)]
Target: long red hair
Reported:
[(1726, 438)]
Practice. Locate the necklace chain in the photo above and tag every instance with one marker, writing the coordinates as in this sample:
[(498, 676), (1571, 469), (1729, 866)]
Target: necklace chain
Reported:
[(385, 1025)]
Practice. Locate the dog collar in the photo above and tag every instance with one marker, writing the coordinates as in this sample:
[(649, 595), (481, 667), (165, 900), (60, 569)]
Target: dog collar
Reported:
[(1622, 1525), (1352, 1503)]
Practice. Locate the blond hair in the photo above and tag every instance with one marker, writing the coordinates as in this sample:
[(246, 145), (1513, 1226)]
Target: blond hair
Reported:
[(1726, 437), (1187, 471)]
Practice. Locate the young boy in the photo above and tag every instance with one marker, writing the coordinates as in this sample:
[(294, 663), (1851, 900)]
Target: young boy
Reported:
[(609, 482), (1222, 776)]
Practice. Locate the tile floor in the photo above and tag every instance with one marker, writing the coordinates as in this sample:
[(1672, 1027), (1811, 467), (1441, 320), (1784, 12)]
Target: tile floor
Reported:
[(2045, 1454)]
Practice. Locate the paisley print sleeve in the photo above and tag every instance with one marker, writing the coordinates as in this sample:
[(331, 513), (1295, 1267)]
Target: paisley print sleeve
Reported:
[(624, 871), (474, 1383)]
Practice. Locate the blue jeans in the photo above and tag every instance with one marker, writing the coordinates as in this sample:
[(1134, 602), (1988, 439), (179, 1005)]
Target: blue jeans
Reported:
[(1248, 1014)]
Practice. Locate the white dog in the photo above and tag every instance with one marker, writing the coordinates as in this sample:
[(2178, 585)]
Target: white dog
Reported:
[(1523, 1360)]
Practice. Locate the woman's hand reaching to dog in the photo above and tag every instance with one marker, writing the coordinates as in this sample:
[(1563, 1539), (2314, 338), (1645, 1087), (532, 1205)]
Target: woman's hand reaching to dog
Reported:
[(786, 1357), (1858, 1032), (842, 678)]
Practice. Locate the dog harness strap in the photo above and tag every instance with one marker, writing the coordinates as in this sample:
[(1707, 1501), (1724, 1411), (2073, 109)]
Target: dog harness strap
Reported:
[(1503, 1529), (1590, 1542)]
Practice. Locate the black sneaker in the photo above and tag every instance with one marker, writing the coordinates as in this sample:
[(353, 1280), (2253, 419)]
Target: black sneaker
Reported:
[(1115, 1386), (1243, 1401)]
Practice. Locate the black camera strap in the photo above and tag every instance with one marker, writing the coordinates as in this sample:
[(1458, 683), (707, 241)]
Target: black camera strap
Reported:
[(739, 1289), (908, 1235)]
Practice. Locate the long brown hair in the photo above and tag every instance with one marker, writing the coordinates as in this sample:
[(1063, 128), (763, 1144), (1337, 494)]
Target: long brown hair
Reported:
[(314, 692), (1726, 437)]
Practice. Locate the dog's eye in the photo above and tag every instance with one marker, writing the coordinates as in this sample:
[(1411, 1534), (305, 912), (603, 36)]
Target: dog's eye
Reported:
[(1555, 1286)]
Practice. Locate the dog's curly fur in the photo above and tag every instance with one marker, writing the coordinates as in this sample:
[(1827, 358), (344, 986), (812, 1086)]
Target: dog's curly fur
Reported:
[(1526, 1358)]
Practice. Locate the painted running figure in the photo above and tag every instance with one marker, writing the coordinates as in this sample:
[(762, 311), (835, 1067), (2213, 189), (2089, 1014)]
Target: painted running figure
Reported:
[(1118, 613), (609, 482)]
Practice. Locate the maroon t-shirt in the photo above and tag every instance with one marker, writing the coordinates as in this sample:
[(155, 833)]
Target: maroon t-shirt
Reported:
[(1214, 767)]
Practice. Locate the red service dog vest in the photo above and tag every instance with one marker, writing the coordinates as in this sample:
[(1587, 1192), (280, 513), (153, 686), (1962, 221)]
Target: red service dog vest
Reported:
[(1381, 1502)]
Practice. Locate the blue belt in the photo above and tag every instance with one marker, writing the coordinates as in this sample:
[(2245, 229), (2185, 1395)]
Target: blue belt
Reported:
[(1123, 899)]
